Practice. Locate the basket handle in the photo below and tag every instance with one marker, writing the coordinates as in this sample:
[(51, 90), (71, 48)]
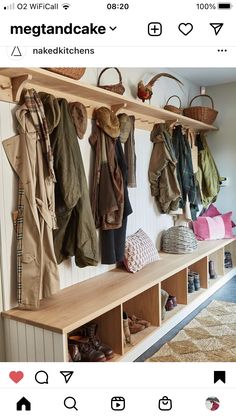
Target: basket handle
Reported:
[(180, 104), (212, 103), (105, 69)]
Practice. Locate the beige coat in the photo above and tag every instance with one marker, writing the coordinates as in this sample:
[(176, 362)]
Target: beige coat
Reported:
[(37, 273)]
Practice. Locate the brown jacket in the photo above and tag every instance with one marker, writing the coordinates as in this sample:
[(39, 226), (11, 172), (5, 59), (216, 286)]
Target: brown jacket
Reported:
[(162, 170), (37, 273), (108, 188)]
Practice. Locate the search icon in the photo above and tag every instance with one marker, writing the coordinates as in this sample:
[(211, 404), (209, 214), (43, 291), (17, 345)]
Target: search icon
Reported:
[(70, 403), (41, 377)]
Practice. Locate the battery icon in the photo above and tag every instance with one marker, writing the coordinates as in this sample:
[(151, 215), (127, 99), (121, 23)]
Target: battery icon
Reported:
[(224, 5)]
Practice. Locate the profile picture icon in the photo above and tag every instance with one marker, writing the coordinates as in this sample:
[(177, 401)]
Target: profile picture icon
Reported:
[(212, 403)]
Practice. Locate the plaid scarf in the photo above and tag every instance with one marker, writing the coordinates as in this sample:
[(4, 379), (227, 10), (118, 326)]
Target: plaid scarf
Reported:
[(35, 107)]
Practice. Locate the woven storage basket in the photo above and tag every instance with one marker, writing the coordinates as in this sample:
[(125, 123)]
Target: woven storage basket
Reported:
[(201, 113), (116, 88), (72, 72), (172, 108), (179, 239)]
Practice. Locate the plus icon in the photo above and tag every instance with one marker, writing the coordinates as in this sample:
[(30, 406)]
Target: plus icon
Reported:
[(154, 29)]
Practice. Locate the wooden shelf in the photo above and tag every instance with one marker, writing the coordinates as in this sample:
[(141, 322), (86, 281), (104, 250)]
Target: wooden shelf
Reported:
[(13, 79), (138, 337), (171, 313), (78, 304), (194, 295)]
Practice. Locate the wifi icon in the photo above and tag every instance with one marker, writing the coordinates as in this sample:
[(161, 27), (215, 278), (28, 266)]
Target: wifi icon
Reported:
[(66, 6)]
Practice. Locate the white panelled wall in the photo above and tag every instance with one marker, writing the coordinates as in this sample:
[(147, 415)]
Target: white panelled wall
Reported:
[(145, 214)]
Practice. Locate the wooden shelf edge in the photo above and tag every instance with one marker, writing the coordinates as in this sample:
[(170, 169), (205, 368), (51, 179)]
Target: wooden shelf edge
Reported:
[(146, 115)]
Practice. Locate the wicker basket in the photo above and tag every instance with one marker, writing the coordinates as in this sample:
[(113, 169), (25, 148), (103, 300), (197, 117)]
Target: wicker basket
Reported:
[(179, 239), (71, 72), (201, 113), (116, 88), (172, 108)]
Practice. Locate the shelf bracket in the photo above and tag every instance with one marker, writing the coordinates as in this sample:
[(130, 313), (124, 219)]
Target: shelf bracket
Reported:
[(118, 106), (18, 84)]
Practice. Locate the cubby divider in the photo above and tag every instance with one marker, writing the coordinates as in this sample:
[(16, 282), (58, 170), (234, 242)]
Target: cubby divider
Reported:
[(177, 285)]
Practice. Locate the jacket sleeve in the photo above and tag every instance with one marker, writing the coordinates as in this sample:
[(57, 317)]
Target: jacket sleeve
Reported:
[(157, 163), (65, 169)]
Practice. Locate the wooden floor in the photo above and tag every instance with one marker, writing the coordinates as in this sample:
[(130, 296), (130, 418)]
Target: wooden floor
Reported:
[(226, 293)]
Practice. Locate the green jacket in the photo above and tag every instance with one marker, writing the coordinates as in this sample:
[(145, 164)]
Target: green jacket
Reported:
[(162, 172), (76, 234), (208, 177)]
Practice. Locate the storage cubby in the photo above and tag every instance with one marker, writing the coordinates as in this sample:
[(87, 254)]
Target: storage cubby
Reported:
[(177, 285), (231, 247), (201, 267), (218, 259), (145, 306), (109, 330), (103, 299)]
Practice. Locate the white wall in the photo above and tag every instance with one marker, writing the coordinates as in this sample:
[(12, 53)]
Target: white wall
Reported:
[(145, 214), (223, 143)]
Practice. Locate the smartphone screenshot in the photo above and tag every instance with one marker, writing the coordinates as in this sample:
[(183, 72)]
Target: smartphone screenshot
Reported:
[(117, 209)]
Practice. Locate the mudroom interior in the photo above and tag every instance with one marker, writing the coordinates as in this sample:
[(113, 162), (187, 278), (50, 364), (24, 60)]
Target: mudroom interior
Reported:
[(117, 210)]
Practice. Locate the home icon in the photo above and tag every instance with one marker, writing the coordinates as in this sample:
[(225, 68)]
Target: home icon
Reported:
[(23, 404)]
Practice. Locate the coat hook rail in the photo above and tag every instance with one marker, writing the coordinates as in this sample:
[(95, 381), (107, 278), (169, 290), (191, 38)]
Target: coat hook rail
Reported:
[(18, 84)]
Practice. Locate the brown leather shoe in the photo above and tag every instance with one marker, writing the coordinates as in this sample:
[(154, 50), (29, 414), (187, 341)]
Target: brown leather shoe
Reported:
[(145, 323), (74, 352), (103, 347), (87, 350), (135, 327), (90, 331)]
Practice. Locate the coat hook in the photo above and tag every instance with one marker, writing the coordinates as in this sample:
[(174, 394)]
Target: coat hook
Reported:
[(6, 86), (118, 106)]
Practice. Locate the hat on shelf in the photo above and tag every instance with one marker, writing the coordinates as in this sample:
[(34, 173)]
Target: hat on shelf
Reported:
[(80, 118), (108, 122), (125, 126), (51, 110)]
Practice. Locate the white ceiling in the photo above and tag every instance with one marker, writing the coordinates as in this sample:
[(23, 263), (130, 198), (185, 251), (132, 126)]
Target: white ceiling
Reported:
[(207, 76)]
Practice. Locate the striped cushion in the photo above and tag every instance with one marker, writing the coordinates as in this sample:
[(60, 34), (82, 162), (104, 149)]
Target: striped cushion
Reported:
[(212, 211), (213, 228)]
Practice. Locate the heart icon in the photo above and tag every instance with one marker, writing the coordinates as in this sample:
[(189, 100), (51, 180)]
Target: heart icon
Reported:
[(16, 376), (185, 28)]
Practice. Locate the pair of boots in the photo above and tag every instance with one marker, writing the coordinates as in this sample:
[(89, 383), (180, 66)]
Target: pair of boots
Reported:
[(193, 282), (86, 346), (132, 325)]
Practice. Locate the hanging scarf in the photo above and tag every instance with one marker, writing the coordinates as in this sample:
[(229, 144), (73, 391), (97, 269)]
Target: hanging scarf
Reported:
[(35, 107)]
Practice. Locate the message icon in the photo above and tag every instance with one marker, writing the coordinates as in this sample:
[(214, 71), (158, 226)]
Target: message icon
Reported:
[(41, 377)]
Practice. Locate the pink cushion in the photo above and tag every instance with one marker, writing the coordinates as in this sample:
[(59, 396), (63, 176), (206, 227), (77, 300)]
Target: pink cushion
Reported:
[(213, 228), (139, 251), (212, 211)]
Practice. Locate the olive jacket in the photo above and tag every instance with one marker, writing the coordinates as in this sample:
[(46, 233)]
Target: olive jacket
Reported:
[(162, 171), (76, 234), (208, 176)]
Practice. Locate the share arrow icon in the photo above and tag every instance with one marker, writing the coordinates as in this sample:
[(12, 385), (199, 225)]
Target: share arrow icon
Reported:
[(217, 27), (67, 375)]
